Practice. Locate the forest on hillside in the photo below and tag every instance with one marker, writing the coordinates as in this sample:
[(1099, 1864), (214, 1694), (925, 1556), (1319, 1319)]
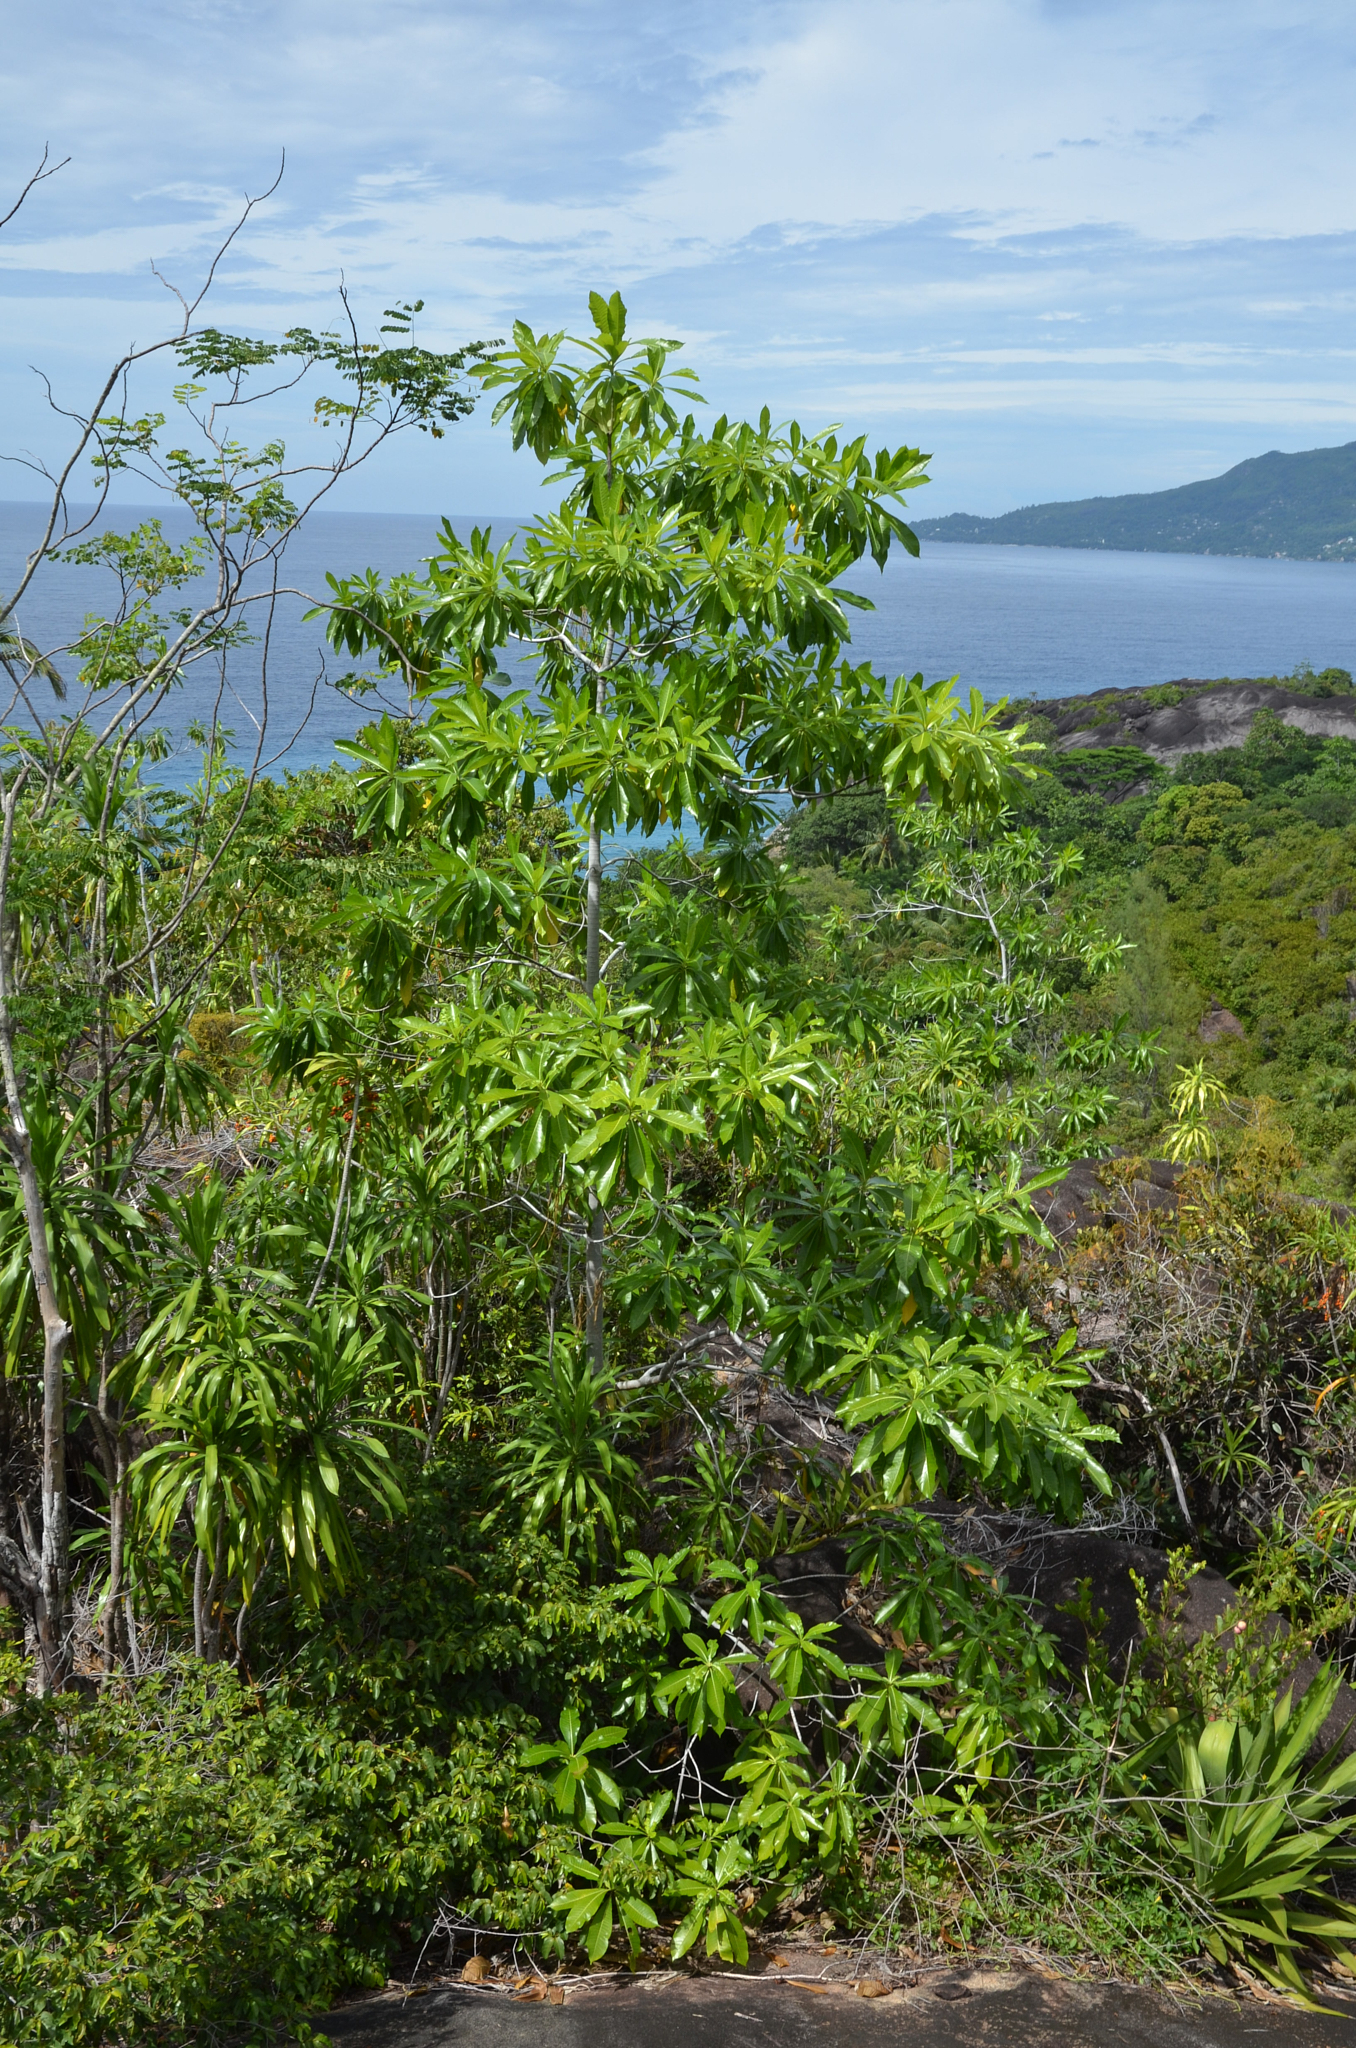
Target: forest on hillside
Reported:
[(1301, 507), (1232, 876), (459, 1294)]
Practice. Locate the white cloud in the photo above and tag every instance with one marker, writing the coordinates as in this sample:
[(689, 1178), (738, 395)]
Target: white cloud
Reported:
[(1326, 406), (802, 191), (1207, 120)]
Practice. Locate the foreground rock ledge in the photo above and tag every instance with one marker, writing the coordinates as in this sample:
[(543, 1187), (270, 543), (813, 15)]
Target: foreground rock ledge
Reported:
[(995, 2009)]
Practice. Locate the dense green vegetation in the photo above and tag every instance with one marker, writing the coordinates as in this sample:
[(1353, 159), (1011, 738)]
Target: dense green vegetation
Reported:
[(1301, 506), (1233, 878), (451, 1285), (1236, 872)]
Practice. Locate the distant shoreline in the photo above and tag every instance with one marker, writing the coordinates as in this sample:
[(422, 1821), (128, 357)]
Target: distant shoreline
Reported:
[(1089, 547), (1274, 507)]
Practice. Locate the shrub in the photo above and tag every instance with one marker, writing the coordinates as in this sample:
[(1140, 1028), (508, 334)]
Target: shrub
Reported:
[(842, 828), (1106, 771), (1203, 815), (216, 1034), (186, 1857)]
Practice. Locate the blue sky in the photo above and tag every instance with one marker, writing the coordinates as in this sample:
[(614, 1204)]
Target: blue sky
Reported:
[(1068, 246)]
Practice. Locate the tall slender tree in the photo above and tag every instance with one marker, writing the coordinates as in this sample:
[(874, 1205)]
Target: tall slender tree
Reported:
[(76, 781)]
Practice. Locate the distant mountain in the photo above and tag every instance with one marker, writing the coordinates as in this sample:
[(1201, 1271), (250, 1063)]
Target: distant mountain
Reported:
[(1302, 507)]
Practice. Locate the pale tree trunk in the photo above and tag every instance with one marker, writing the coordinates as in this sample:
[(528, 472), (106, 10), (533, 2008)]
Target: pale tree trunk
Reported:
[(117, 1628), (116, 1620), (47, 1583), (150, 933), (445, 1343), (199, 1601), (595, 908), (208, 1593), (593, 1258), (214, 1617)]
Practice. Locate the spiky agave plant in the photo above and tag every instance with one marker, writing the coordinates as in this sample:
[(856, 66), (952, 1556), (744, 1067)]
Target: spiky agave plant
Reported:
[(1258, 1825)]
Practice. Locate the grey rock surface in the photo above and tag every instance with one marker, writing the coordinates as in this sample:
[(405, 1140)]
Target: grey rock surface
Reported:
[(1219, 1023), (1206, 719), (1052, 1568), (1000, 2009), (815, 1585), (1083, 1200)]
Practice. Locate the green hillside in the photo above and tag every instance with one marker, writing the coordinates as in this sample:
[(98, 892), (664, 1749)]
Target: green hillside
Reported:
[(1300, 506), (1231, 871)]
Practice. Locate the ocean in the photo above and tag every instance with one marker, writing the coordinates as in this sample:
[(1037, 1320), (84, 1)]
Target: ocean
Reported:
[(1007, 621)]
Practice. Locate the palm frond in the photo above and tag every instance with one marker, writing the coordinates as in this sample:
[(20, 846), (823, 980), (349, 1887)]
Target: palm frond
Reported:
[(14, 650)]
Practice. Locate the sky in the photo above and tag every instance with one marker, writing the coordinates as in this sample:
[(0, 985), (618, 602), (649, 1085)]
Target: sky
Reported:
[(1067, 247)]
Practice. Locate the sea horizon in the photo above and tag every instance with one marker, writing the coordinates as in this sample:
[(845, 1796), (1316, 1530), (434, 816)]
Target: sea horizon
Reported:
[(1010, 620)]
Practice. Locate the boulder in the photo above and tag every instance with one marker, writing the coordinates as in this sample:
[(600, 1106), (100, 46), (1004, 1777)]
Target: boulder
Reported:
[(815, 1585), (1050, 1568), (1219, 1023), (1083, 1200), (1207, 717), (1047, 1567)]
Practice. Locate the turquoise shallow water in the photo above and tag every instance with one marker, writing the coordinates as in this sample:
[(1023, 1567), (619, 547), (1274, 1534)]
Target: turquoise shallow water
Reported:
[(1009, 621)]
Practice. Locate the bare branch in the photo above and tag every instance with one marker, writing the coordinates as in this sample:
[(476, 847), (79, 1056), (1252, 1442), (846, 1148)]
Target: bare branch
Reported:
[(44, 170)]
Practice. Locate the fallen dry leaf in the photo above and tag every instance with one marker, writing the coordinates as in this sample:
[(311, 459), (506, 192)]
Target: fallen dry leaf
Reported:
[(871, 1987), (555, 1996)]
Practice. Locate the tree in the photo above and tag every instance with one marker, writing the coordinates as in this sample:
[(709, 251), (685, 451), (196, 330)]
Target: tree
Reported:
[(689, 625), (995, 1062), (100, 872)]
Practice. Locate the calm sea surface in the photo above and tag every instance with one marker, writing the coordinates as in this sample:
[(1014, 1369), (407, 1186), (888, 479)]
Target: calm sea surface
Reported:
[(1007, 621)]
